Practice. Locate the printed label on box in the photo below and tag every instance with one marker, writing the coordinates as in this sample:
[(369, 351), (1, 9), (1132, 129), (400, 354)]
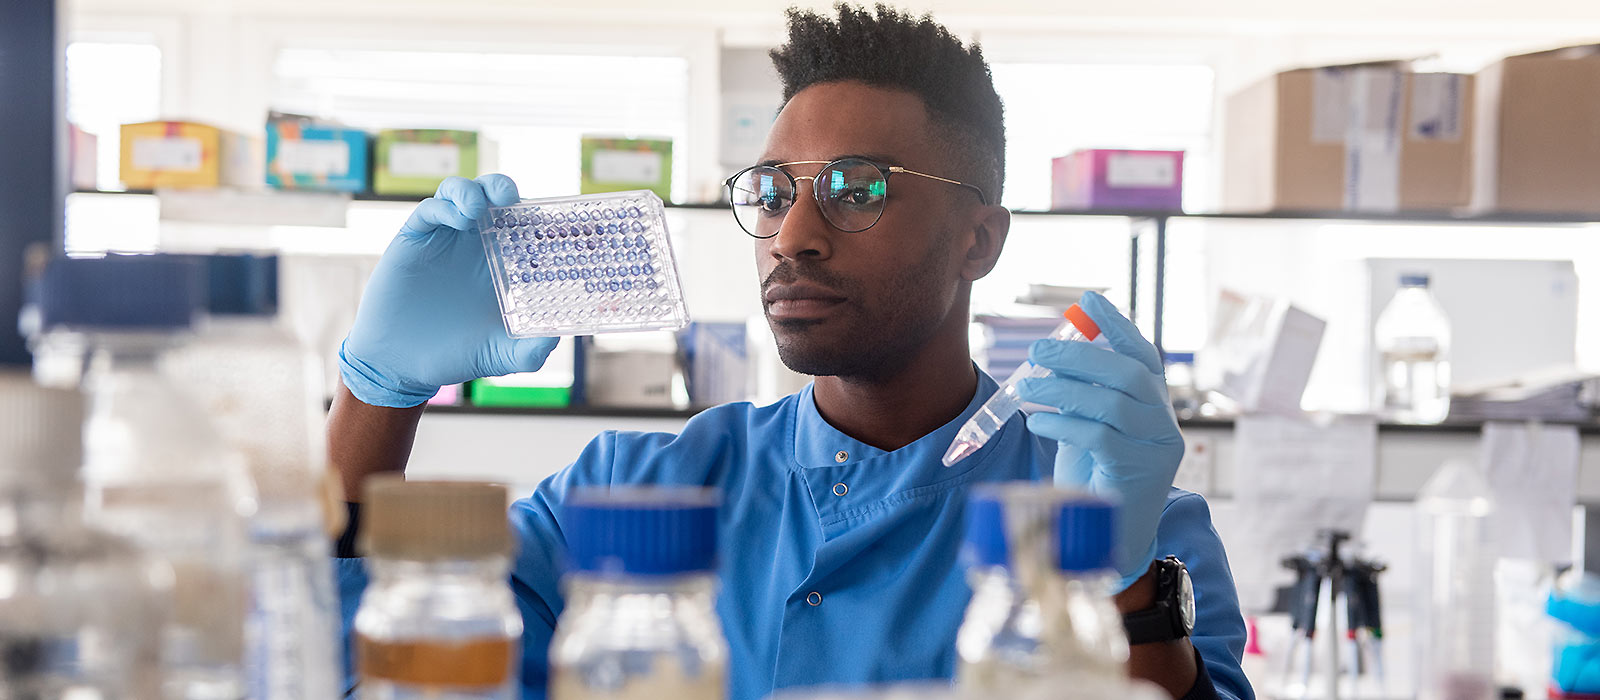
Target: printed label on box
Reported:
[(1330, 88), (171, 153), (424, 159), (626, 166), (1372, 141), (1141, 170), (1436, 104), (302, 157)]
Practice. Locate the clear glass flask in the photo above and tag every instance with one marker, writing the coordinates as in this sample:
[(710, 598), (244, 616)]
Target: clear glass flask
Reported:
[(1456, 610), (155, 471), (438, 620), (82, 610), (640, 618), (1041, 612), (1412, 336), (261, 389)]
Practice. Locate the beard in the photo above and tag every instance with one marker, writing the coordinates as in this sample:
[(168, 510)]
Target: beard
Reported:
[(871, 335)]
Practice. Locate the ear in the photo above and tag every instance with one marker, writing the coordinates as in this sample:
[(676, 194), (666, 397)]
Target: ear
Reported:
[(989, 226)]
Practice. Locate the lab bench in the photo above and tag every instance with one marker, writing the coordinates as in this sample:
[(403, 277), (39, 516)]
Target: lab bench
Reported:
[(523, 446)]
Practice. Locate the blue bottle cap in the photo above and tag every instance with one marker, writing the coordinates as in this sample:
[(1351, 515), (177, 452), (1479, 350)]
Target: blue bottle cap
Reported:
[(1087, 528), (1413, 280), (1180, 358), (986, 531), (241, 284), (120, 292), (643, 531)]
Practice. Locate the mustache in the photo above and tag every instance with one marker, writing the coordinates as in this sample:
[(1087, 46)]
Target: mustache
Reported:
[(789, 273)]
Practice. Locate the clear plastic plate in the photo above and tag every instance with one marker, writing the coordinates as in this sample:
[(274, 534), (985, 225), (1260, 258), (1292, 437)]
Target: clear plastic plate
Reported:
[(598, 263)]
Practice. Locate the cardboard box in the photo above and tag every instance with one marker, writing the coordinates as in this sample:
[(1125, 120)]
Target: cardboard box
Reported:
[(1117, 179), (1538, 145), (187, 154), (83, 164), (619, 165), (305, 155), (415, 161), (1368, 137)]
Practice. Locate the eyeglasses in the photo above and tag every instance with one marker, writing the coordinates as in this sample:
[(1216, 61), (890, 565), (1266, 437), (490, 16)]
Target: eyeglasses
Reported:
[(850, 192)]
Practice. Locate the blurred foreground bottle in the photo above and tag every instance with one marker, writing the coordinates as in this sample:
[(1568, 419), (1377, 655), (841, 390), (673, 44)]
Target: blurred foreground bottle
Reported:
[(155, 471), (81, 611), (260, 388), (1412, 336), (1041, 615), (1456, 609), (640, 618), (438, 620)]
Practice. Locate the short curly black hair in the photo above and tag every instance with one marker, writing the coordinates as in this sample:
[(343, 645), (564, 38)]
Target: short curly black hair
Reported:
[(895, 50)]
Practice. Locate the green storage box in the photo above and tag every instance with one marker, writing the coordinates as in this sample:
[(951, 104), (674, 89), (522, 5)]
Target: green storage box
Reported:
[(620, 165), (415, 161)]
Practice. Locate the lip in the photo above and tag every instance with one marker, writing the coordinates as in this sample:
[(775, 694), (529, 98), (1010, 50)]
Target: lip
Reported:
[(796, 301)]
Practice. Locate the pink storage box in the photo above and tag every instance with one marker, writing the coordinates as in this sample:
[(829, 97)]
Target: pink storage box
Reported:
[(1104, 178), (448, 395)]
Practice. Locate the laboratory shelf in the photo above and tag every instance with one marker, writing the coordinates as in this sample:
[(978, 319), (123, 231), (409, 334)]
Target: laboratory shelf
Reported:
[(1412, 217), (1465, 427)]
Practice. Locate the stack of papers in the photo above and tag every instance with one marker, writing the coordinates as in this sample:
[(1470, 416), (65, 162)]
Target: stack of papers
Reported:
[(1562, 394), (1007, 341)]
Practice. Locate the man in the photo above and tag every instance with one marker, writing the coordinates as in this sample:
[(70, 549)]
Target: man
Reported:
[(840, 528)]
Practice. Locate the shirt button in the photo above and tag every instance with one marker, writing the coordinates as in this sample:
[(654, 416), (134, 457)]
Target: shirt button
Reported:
[(814, 598), (840, 489), (841, 456)]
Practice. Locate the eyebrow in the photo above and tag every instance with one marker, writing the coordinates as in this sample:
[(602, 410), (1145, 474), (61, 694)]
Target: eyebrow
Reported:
[(875, 158)]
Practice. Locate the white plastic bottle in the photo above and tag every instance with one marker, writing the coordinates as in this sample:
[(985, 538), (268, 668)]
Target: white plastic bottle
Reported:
[(260, 387), (155, 471), (81, 610), (1041, 613), (640, 619), (1456, 605), (438, 620), (1412, 336)]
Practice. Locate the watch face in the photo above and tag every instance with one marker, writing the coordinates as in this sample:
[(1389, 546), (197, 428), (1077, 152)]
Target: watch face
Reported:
[(1186, 600)]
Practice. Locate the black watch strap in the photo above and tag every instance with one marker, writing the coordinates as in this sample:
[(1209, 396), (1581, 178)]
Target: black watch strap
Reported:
[(1165, 620)]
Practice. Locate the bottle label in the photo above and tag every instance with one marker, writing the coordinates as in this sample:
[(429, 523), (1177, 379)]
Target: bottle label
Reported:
[(467, 668)]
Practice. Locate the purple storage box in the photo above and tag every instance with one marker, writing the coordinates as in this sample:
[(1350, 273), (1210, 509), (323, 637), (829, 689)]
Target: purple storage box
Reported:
[(1104, 178)]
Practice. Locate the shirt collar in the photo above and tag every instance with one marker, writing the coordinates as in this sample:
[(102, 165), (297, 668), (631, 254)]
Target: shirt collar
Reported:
[(818, 444)]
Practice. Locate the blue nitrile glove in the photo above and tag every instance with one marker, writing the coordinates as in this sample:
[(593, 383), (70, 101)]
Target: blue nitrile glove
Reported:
[(429, 316), (1119, 437)]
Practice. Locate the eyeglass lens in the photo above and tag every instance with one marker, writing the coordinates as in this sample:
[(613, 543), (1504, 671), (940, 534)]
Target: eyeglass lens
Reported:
[(850, 193)]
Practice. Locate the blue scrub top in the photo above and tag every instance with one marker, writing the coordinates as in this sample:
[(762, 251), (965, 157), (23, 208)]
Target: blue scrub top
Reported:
[(839, 561)]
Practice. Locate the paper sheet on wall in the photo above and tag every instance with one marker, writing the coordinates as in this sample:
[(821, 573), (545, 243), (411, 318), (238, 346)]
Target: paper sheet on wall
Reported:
[(1292, 478), (1533, 472)]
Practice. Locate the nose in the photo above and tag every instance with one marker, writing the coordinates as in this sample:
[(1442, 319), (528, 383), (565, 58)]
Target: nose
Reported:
[(805, 232)]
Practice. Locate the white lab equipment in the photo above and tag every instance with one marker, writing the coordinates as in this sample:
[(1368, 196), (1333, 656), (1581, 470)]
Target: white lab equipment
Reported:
[(438, 619), (67, 581), (155, 470), (1456, 607), (1007, 399), (641, 619), (584, 265), (1412, 336), (262, 390), (1041, 613)]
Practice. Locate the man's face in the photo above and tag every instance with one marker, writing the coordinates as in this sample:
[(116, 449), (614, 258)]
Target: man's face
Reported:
[(858, 304)]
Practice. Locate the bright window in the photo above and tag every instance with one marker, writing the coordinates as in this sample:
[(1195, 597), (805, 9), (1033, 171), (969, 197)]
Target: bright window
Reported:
[(1053, 109), (108, 85), (534, 108)]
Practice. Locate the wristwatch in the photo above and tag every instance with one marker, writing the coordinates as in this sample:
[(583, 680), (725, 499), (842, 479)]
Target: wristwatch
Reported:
[(1172, 616)]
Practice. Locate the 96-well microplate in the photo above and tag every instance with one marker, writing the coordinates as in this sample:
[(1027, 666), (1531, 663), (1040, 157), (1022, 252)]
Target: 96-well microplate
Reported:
[(580, 265)]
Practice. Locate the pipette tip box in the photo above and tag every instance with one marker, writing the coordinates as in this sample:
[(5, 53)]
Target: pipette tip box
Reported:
[(582, 265)]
